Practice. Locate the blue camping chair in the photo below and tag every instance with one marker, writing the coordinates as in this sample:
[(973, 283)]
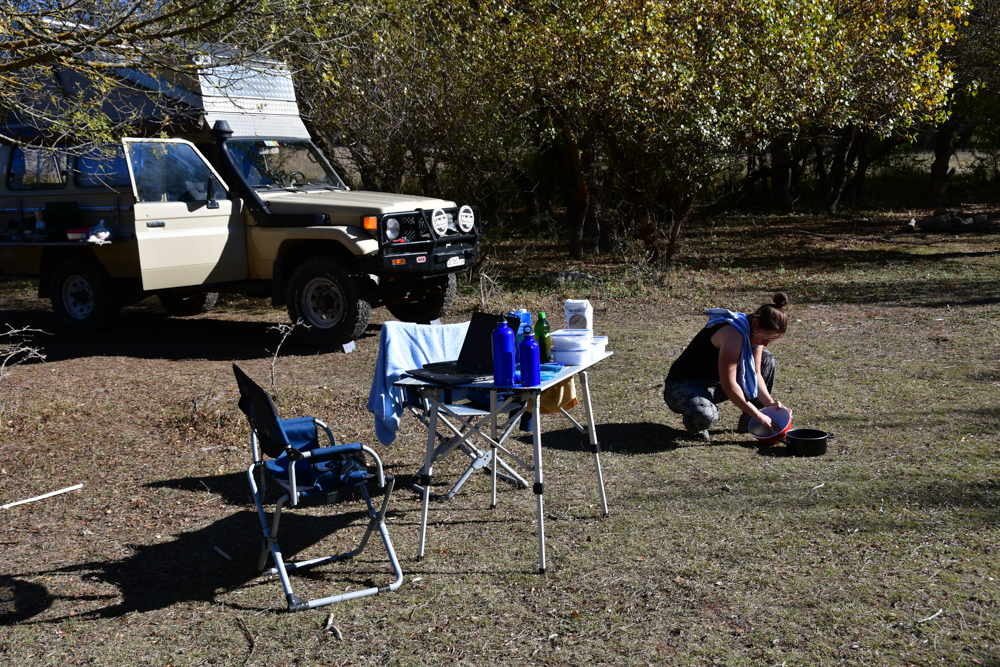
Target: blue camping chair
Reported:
[(308, 472)]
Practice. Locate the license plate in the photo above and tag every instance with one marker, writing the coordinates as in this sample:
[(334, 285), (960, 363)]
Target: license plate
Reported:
[(455, 261)]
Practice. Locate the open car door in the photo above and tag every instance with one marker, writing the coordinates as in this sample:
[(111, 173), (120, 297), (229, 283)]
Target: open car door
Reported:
[(189, 231)]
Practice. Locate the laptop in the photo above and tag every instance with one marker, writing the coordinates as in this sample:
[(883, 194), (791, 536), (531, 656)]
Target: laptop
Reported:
[(475, 361)]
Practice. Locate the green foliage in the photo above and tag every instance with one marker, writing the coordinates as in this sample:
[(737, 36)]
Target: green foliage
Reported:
[(664, 91)]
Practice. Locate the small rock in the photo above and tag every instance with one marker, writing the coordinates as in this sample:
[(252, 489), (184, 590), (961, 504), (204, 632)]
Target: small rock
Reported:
[(963, 225), (981, 221), (935, 223)]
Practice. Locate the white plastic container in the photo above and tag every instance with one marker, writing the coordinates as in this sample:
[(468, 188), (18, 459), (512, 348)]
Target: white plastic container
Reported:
[(571, 339), (599, 346), (579, 314), (572, 357)]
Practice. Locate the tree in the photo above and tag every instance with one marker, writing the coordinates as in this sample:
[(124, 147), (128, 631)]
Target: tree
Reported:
[(975, 58), (644, 100), (669, 88), (62, 64)]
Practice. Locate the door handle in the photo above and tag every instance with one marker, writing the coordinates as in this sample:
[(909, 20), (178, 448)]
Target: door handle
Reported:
[(156, 223)]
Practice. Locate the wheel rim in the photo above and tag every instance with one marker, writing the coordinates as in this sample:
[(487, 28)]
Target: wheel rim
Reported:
[(78, 297), (322, 303)]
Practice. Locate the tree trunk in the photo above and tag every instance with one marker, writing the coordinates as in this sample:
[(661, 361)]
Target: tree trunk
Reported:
[(592, 228), (577, 193), (822, 169), (857, 185), (944, 148), (840, 167), (527, 189), (781, 174), (681, 207)]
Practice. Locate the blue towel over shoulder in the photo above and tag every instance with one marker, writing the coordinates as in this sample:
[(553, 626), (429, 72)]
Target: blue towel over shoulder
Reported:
[(746, 371), (403, 346)]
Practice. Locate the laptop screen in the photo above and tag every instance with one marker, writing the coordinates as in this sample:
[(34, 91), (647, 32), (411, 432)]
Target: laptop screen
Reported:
[(477, 349)]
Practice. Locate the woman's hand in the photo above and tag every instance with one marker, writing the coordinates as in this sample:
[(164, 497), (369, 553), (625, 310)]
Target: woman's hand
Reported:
[(767, 421)]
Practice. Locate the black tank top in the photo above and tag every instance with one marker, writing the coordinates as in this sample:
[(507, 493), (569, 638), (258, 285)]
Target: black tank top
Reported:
[(699, 361)]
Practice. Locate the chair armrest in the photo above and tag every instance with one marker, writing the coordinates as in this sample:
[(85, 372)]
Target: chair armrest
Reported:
[(327, 453)]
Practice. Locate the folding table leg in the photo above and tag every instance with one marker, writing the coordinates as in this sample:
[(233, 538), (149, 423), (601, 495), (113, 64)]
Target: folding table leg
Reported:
[(493, 446), (426, 482), (592, 432), (536, 409)]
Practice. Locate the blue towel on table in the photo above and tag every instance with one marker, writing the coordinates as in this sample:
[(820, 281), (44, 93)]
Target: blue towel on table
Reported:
[(746, 371), (404, 346)]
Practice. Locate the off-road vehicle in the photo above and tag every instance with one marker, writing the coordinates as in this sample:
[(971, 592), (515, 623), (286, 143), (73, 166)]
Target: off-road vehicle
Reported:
[(238, 199)]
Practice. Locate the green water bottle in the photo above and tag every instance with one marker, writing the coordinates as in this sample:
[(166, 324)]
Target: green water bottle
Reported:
[(543, 338)]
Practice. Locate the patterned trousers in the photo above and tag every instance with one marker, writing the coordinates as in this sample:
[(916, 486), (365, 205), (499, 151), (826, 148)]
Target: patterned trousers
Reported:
[(697, 401)]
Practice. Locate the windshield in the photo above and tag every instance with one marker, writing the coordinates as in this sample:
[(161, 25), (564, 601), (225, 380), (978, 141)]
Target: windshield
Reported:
[(276, 163)]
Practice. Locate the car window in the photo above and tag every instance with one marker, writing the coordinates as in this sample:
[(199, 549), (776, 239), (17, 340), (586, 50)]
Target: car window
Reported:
[(279, 163), (104, 168), (172, 172), (37, 168)]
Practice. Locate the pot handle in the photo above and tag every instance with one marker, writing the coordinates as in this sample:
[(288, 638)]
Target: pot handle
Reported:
[(830, 436)]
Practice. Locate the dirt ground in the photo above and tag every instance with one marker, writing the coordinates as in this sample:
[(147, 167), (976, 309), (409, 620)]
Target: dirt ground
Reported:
[(881, 552)]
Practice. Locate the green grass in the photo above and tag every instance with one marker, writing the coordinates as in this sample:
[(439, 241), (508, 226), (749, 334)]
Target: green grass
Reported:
[(713, 554)]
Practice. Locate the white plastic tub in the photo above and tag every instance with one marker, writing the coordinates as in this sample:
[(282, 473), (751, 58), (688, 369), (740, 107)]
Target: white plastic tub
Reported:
[(599, 345), (571, 339), (571, 357)]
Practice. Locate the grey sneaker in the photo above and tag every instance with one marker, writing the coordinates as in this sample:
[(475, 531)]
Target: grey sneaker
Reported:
[(701, 435)]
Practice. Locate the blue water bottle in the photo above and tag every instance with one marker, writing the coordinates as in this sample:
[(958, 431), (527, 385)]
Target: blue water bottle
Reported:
[(503, 355), (531, 372)]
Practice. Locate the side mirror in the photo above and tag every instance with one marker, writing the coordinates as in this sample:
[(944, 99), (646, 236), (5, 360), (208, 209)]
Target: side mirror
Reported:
[(210, 194)]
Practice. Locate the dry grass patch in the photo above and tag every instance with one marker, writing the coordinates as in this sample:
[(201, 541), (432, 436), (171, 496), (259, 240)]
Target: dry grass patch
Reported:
[(882, 552)]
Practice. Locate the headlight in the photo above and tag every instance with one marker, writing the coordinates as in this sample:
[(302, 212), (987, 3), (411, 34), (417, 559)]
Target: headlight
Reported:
[(439, 222), (392, 229), (466, 219)]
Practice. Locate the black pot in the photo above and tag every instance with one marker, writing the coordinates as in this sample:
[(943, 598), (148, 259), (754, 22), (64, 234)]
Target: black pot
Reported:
[(807, 441)]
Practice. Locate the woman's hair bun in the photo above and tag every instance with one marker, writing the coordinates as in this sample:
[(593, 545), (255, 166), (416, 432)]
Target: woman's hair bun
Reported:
[(780, 299)]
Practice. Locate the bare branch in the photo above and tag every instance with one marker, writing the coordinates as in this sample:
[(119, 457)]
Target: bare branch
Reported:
[(15, 349)]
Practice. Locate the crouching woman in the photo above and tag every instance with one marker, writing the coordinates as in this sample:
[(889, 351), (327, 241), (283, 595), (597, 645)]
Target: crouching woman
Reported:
[(728, 359)]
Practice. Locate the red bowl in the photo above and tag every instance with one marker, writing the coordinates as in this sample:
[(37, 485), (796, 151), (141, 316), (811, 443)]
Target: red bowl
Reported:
[(780, 416)]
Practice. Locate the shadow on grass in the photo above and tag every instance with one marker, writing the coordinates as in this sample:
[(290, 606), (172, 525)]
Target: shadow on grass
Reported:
[(150, 335), (233, 488), (978, 501), (20, 600), (636, 438), (940, 293), (189, 568)]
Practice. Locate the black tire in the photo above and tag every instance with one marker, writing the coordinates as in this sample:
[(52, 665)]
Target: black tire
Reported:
[(428, 305), (334, 305), (84, 297), (179, 304)]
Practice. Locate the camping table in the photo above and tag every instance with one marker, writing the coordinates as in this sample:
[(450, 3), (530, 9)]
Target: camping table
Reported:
[(531, 395)]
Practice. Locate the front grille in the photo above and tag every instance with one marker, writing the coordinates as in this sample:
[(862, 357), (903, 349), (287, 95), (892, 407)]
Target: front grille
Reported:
[(417, 235)]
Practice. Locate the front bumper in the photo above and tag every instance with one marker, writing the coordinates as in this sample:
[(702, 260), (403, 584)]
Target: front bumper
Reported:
[(432, 261)]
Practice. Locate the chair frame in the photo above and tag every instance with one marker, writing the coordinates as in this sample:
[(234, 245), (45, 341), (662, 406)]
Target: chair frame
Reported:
[(294, 497)]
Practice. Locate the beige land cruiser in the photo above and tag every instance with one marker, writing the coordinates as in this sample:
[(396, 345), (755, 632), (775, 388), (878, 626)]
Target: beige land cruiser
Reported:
[(249, 206)]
